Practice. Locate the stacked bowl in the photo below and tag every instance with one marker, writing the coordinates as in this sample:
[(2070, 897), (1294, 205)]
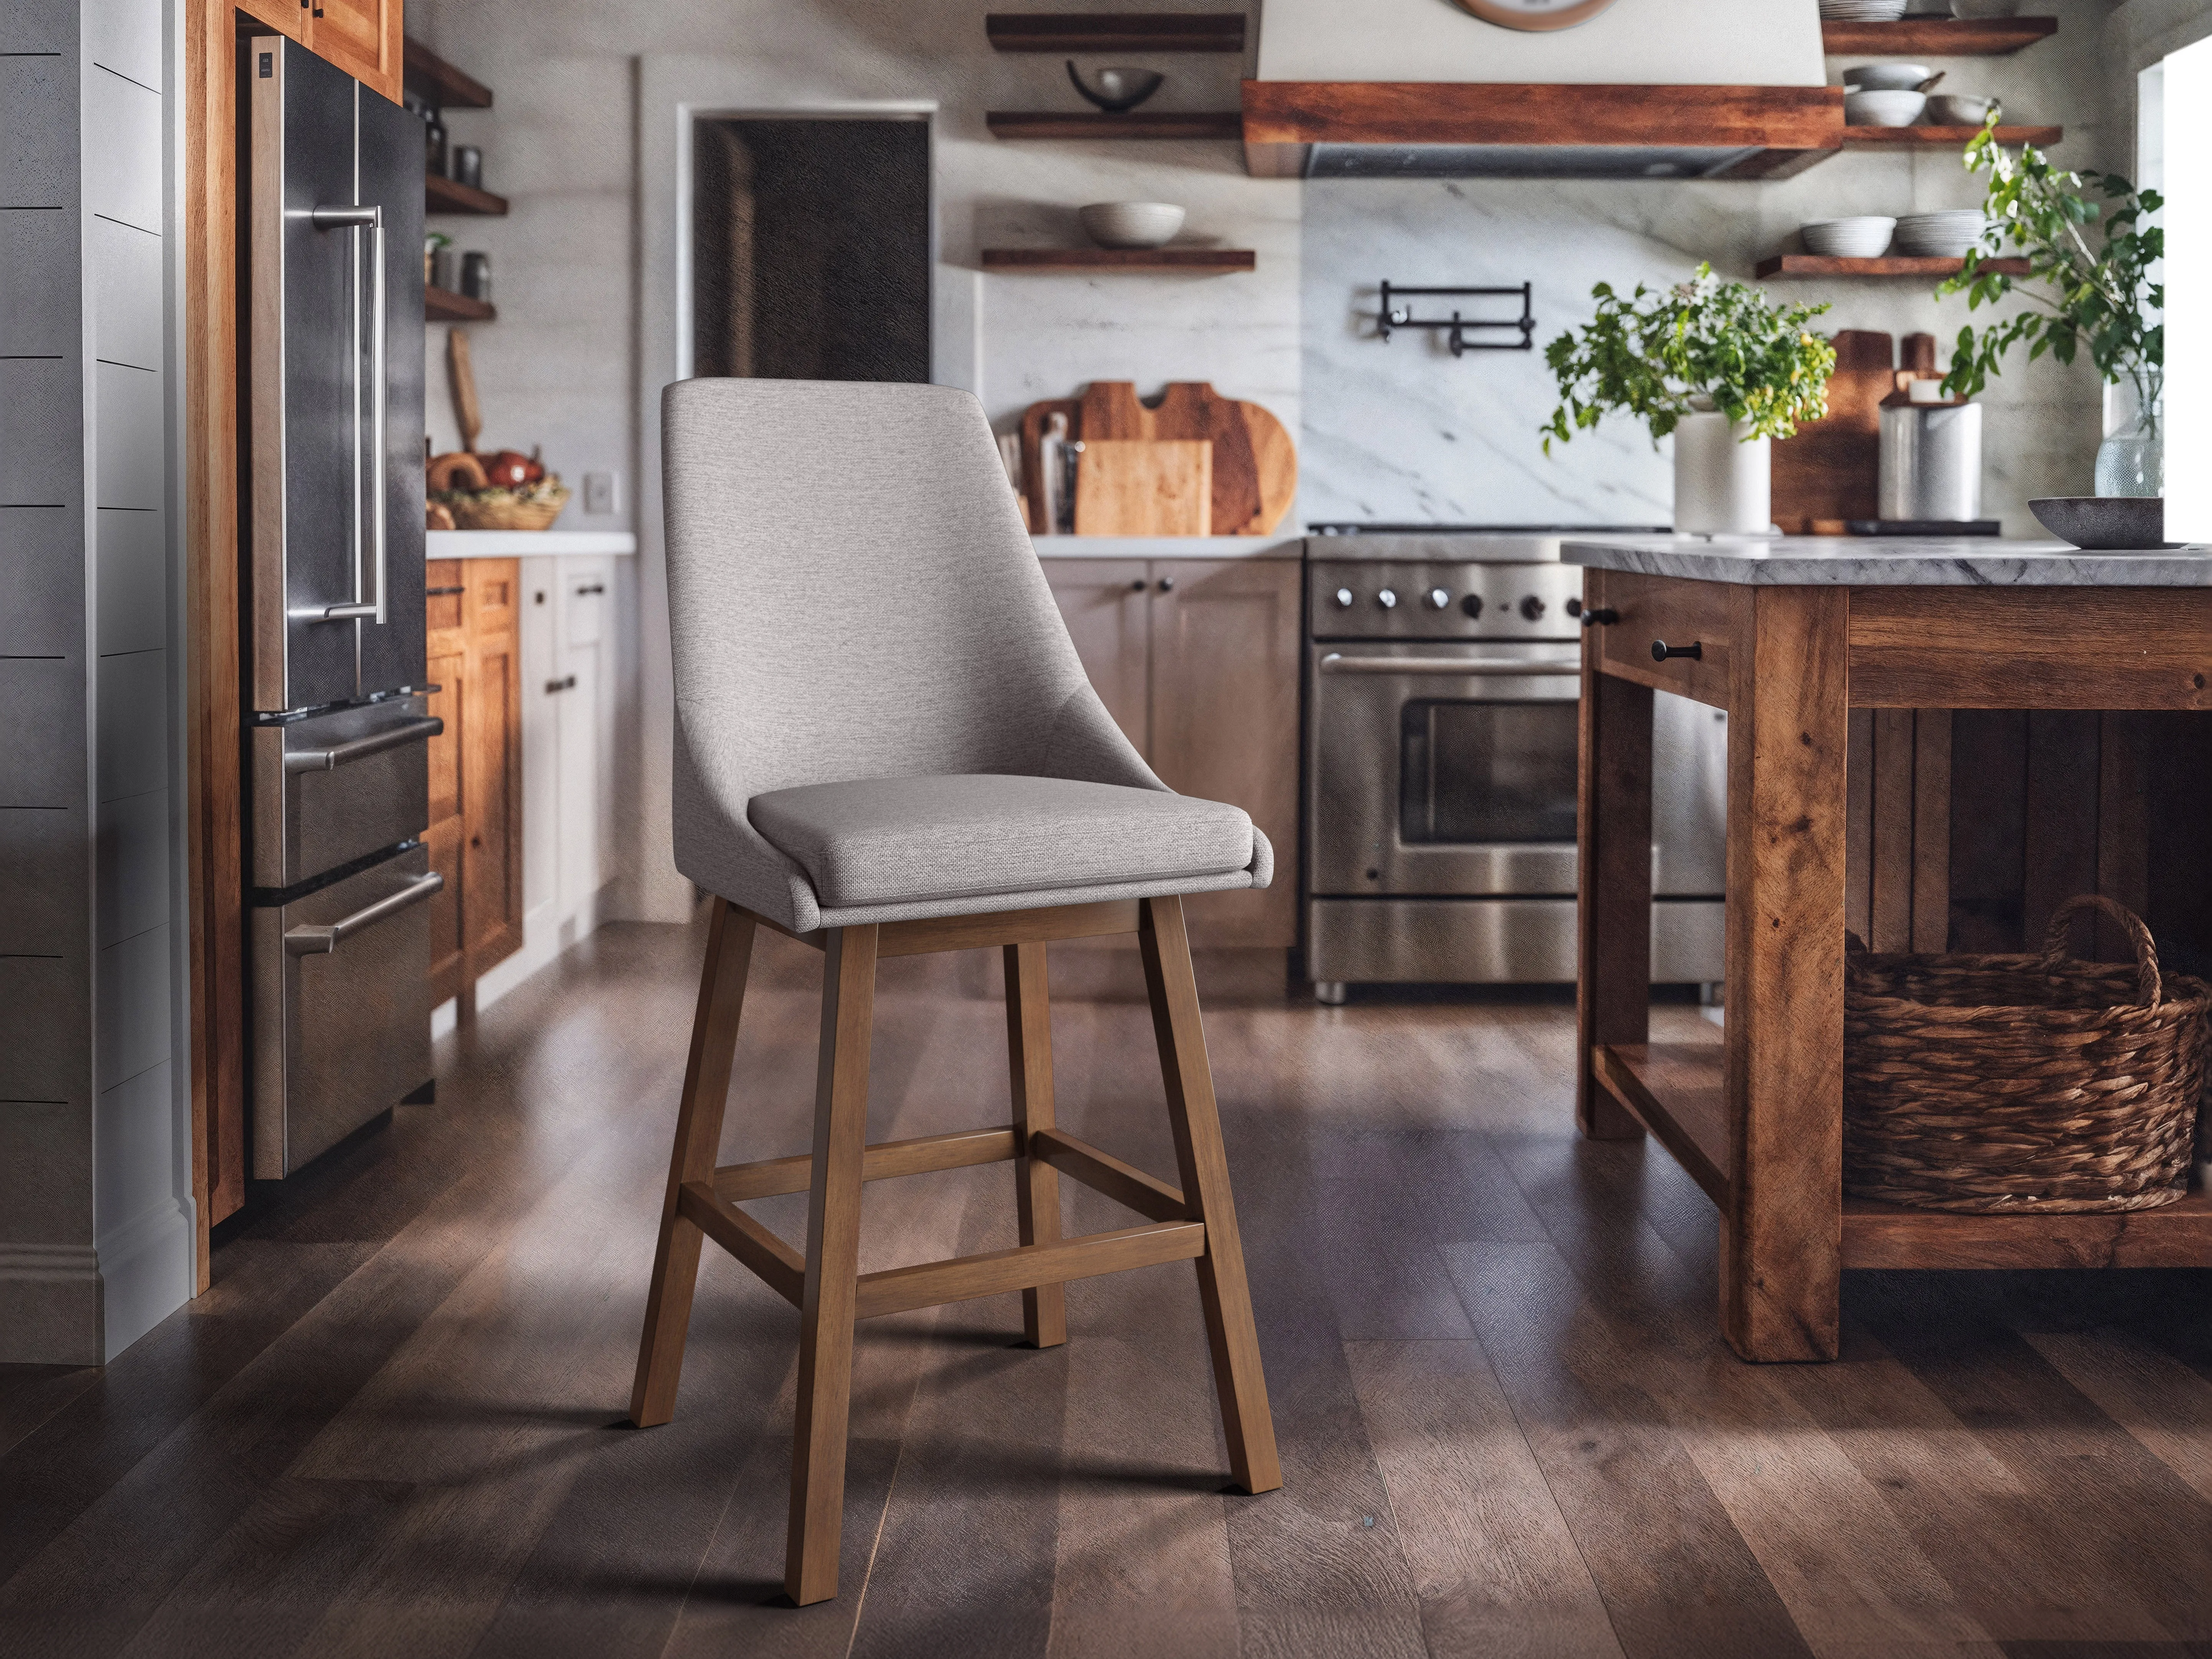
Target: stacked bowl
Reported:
[(1883, 109), (1946, 235), (1862, 11), (1866, 237)]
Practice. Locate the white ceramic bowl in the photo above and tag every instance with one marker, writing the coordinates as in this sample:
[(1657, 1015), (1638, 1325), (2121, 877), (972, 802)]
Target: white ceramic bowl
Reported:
[(1866, 237), (1885, 77), (1131, 224), (1883, 109), (1958, 109), (1862, 11), (1984, 7), (1945, 235)]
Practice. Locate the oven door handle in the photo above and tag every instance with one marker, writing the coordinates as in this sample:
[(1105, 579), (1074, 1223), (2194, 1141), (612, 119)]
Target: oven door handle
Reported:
[(1337, 663)]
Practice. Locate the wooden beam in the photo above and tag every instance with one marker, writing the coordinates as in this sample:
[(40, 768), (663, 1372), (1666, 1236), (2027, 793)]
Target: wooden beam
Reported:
[(734, 1183), (1027, 1265), (1612, 916), (781, 1268), (1675, 1090), (1466, 113), (1102, 1172)]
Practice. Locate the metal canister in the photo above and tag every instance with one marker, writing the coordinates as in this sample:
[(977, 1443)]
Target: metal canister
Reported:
[(1931, 461), (475, 276)]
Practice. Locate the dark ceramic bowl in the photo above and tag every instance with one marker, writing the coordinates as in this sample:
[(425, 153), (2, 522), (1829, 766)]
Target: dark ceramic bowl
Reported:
[(2104, 524)]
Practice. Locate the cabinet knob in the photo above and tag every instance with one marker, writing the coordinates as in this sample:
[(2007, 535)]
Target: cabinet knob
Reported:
[(1660, 650), (566, 682), (1601, 616), (1167, 584), (1138, 586), (592, 587)]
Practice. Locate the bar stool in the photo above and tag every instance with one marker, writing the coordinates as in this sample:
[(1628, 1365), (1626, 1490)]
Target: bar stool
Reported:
[(884, 746)]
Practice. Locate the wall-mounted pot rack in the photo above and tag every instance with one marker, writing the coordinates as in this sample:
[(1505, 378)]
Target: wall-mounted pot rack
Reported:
[(1458, 328)]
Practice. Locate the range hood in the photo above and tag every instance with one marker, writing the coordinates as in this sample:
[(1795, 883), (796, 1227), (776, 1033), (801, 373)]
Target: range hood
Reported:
[(1646, 90)]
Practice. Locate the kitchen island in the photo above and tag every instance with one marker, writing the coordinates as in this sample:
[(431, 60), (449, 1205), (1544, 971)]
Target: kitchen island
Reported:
[(1788, 635)]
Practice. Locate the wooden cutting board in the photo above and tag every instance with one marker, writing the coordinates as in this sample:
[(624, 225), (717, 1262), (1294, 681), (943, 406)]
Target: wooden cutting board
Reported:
[(1255, 465), (1830, 471), (1143, 487)]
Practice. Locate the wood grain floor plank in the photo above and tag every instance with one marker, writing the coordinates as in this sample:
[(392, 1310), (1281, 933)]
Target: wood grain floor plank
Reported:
[(30, 1395), (1494, 1564), (2153, 1396)]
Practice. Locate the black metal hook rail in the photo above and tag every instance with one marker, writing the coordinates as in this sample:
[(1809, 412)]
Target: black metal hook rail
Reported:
[(1459, 328)]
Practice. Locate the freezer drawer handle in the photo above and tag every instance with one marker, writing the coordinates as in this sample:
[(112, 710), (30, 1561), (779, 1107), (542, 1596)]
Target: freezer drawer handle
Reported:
[(321, 941), (1336, 663), (344, 753)]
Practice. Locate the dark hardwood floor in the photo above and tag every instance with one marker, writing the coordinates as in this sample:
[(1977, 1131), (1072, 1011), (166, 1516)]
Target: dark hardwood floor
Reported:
[(394, 1426)]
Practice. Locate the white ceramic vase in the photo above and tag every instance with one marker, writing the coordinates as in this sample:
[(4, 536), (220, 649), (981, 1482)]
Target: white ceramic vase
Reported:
[(1722, 485)]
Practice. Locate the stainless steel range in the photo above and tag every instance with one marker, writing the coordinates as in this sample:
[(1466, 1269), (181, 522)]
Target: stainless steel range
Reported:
[(1442, 675)]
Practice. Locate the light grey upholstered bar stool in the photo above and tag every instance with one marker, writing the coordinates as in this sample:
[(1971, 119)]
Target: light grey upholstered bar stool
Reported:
[(886, 745)]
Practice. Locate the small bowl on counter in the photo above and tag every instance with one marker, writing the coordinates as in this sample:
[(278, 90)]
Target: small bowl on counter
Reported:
[(1883, 109), (1863, 237), (1887, 78), (2104, 524), (1131, 224), (1958, 109), (1946, 235)]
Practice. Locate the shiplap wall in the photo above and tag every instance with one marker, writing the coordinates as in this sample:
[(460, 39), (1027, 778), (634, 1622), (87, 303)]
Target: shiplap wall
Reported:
[(95, 1221)]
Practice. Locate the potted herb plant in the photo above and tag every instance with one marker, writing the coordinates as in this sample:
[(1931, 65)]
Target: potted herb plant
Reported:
[(1715, 364), (2100, 297)]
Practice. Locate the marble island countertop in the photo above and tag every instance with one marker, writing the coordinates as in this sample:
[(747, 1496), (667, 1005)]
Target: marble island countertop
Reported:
[(1891, 561)]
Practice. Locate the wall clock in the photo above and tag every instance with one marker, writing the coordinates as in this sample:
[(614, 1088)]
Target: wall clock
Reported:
[(1536, 14)]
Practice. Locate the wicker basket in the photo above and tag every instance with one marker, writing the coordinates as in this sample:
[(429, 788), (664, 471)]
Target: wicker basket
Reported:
[(2020, 1083), (534, 507)]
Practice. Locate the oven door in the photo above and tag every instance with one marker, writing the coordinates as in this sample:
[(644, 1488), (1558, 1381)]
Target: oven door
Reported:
[(1442, 766)]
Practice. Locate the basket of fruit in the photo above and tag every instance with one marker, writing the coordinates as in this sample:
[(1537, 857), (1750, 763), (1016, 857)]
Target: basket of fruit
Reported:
[(505, 491)]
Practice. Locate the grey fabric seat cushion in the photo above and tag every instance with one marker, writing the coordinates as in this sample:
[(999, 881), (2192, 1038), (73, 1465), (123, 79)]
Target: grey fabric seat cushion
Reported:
[(918, 840)]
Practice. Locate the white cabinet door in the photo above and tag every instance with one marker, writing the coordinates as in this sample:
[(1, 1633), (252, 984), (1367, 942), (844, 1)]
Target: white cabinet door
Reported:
[(586, 705)]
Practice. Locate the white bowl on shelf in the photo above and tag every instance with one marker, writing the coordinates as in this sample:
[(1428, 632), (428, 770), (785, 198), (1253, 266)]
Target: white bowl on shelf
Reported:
[(1865, 236), (1131, 224), (1885, 77), (1945, 235), (1883, 109), (1958, 109), (1862, 11)]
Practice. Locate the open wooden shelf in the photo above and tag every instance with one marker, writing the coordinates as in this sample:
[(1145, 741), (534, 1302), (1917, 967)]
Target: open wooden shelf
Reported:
[(1199, 260), (439, 84), (1137, 123), (444, 195), (1116, 31), (442, 305), (1935, 37), (1944, 137), (1676, 1090), (1899, 264)]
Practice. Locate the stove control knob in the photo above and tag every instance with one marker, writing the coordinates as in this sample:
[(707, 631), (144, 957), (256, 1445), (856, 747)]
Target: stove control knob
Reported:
[(1532, 608), (1344, 598), (1439, 599), (1387, 600), (1471, 604)]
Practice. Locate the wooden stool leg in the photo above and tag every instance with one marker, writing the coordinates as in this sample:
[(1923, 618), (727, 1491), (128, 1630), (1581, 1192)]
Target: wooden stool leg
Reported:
[(833, 1265), (1222, 1292), (1781, 1233), (1036, 1183), (698, 1137), (1613, 968)]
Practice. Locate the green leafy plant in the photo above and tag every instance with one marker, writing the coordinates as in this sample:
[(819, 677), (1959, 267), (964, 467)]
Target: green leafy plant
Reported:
[(2100, 298), (1705, 344)]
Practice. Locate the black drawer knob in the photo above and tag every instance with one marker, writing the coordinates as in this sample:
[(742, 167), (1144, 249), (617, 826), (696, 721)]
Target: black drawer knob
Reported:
[(1600, 618), (1695, 650)]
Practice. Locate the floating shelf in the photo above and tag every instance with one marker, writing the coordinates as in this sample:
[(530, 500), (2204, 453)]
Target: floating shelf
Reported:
[(1935, 37), (1943, 137), (1138, 124), (439, 84), (1116, 31), (444, 195), (1901, 264), (442, 305), (1199, 260)]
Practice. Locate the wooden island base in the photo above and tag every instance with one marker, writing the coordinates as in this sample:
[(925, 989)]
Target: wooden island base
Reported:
[(1756, 1117)]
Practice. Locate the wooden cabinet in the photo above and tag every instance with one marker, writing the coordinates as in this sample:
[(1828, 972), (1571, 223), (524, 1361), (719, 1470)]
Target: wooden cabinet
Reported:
[(1198, 661), (475, 836), (364, 38)]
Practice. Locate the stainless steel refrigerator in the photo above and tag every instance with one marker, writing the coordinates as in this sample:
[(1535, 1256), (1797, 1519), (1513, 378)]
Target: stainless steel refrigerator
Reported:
[(336, 719)]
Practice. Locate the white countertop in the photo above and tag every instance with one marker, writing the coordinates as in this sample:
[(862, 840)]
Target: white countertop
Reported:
[(1892, 562), (525, 543), (1168, 547)]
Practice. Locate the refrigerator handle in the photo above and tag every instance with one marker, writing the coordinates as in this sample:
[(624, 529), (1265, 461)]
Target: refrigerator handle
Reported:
[(368, 217), (306, 941)]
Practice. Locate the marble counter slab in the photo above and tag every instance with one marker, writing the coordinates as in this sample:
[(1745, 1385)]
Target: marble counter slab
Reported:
[(1891, 561)]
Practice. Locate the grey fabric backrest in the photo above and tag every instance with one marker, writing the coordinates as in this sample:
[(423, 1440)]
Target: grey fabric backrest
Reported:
[(851, 594)]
